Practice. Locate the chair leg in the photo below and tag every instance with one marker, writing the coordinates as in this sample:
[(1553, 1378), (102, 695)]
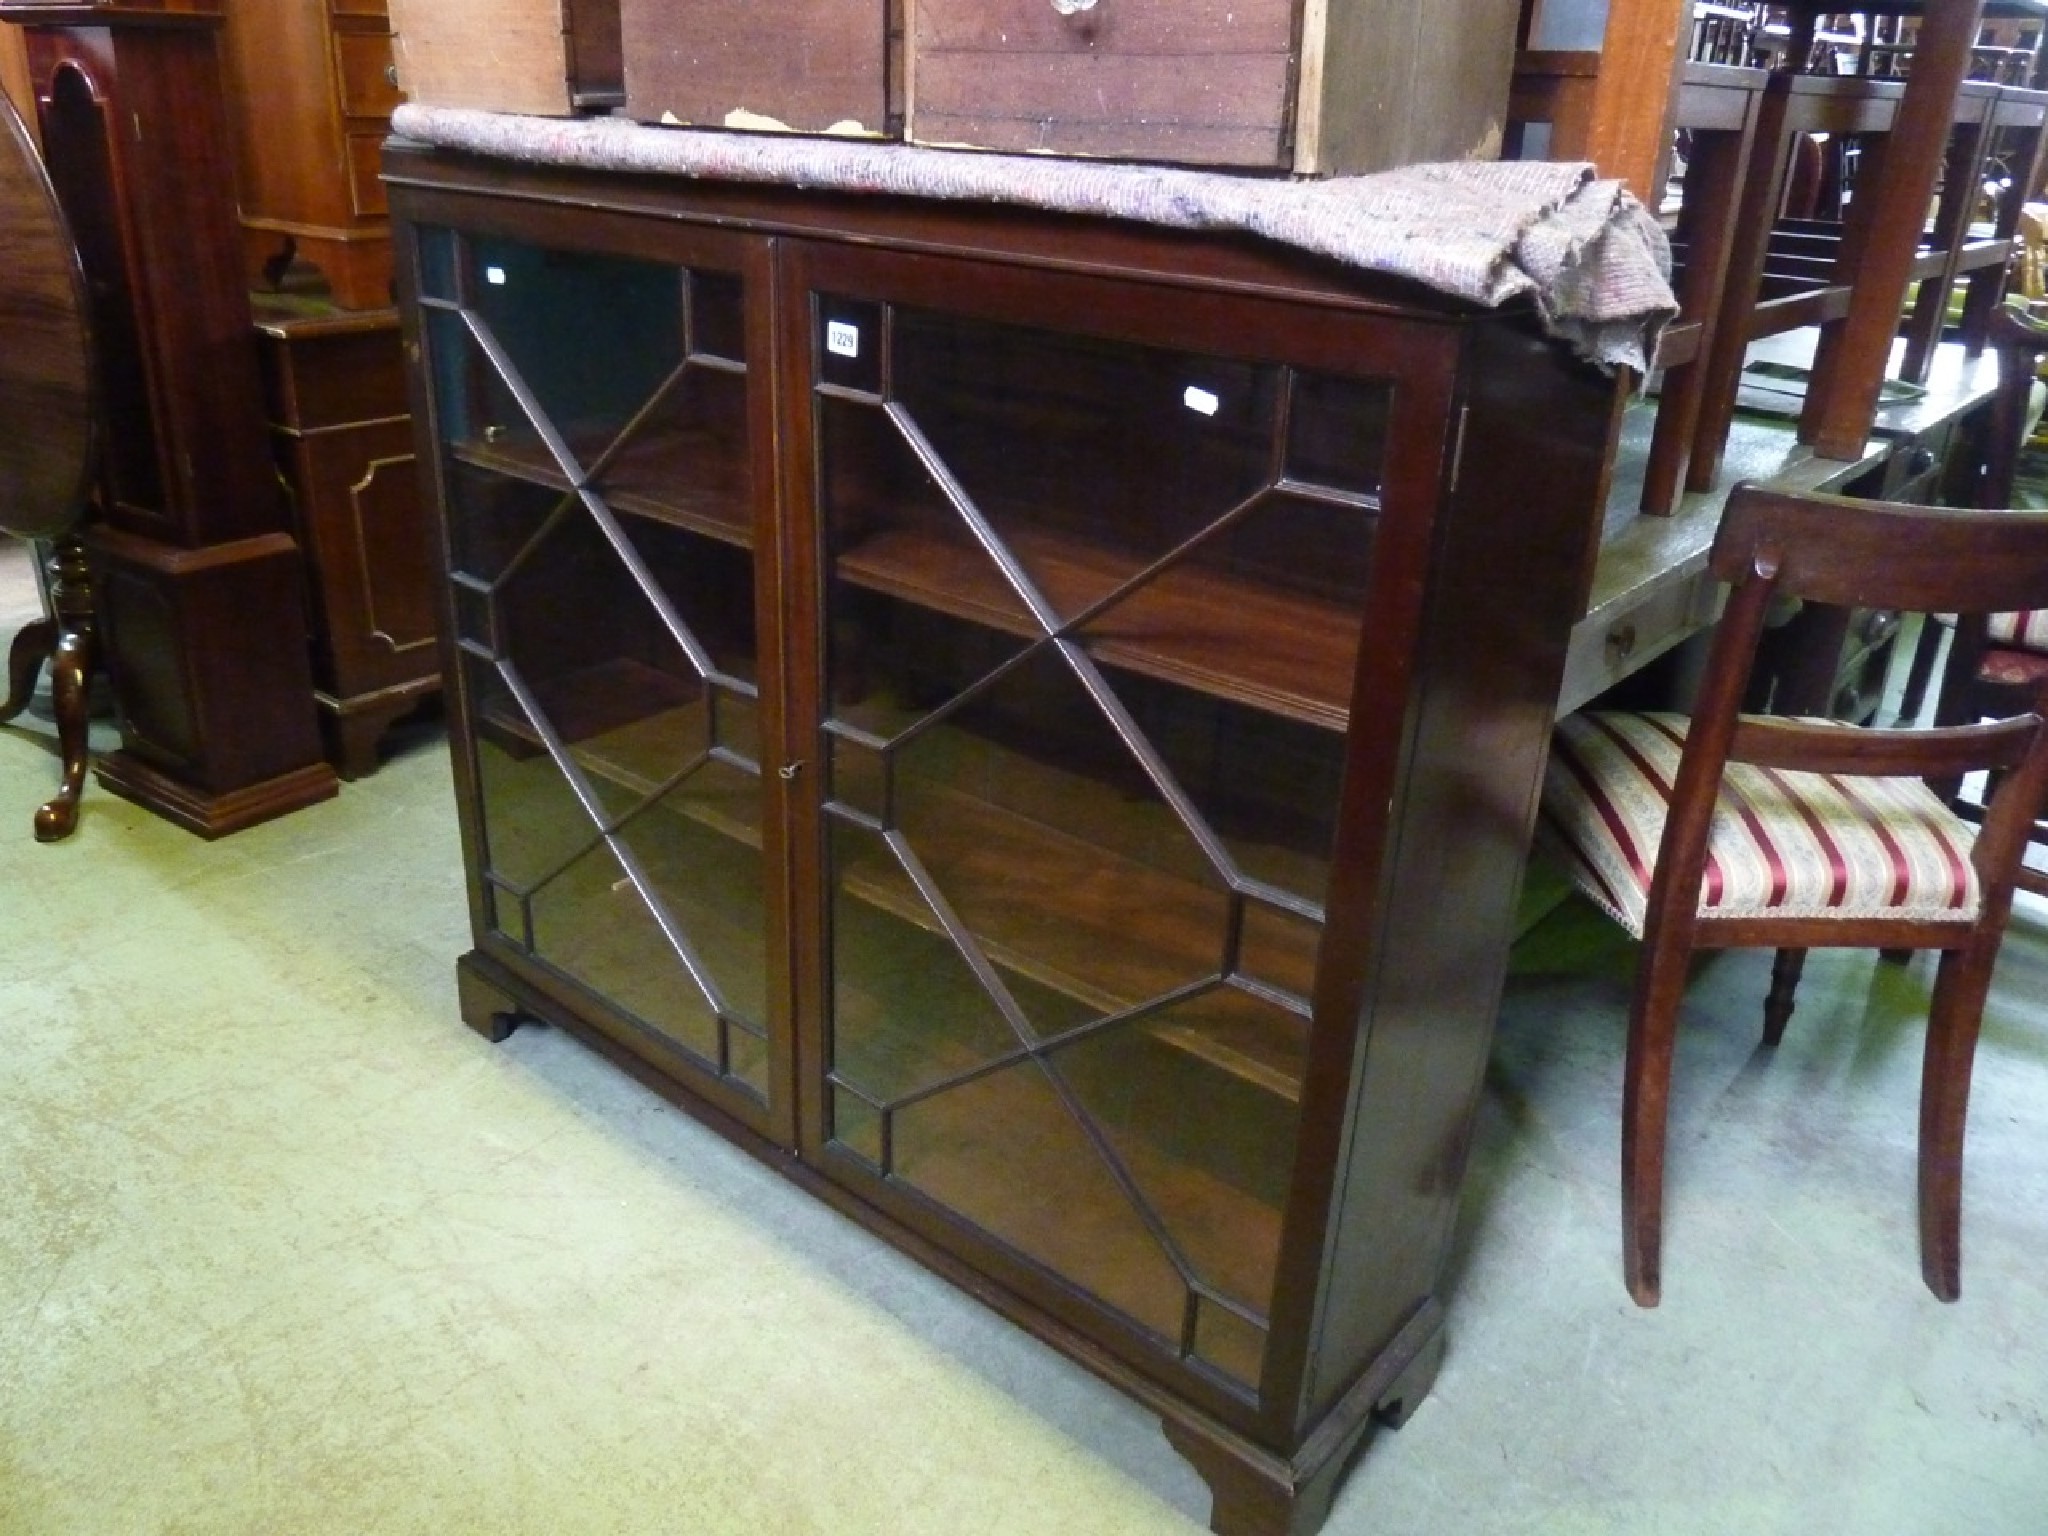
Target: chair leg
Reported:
[(1921, 670), (71, 665), (1957, 1012), (25, 658), (1645, 1104), (70, 677), (1778, 1004)]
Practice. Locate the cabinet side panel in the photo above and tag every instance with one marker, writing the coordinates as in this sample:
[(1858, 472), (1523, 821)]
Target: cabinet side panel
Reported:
[(281, 107), (135, 127), (1509, 583), (1404, 83), (596, 68)]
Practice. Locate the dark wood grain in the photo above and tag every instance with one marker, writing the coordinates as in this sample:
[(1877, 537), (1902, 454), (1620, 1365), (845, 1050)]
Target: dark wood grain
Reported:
[(48, 399)]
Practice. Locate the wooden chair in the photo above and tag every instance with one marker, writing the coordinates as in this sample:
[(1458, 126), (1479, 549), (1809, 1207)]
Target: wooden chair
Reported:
[(1997, 660), (1999, 145), (1728, 830), (1716, 106), (1853, 285), (48, 410)]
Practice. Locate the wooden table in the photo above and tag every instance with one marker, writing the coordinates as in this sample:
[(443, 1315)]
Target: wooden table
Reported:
[(1650, 588)]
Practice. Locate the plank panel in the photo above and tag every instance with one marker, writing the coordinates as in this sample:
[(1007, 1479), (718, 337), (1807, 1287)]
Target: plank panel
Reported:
[(495, 55), (805, 65), (1143, 79)]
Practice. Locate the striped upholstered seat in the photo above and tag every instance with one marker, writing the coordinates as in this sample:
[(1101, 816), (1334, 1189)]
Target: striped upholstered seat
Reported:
[(1783, 844), (2016, 648), (2027, 630)]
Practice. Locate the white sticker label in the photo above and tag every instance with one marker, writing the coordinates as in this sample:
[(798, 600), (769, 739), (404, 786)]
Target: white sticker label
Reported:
[(495, 275), (842, 337), (1199, 399)]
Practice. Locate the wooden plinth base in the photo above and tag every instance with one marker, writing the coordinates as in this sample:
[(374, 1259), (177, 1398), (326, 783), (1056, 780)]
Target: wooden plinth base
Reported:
[(1254, 1492), (210, 815), (353, 727)]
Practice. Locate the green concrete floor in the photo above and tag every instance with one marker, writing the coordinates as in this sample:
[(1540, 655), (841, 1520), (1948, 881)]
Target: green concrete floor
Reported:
[(285, 1250)]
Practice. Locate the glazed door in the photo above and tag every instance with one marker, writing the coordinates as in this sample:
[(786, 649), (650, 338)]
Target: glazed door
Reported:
[(1092, 600), (598, 416)]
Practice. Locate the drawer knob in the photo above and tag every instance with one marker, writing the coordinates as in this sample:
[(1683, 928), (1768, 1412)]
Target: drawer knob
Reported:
[(1069, 7), (1621, 642)]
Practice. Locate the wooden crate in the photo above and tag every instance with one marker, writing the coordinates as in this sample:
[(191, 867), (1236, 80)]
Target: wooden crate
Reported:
[(812, 66), (1316, 87), (539, 56)]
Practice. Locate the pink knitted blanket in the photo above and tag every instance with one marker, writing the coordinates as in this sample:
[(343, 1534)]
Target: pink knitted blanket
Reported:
[(1589, 256)]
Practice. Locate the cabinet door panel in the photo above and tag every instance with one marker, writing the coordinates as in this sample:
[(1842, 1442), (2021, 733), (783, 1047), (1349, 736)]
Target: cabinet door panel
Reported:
[(593, 413), (1092, 610)]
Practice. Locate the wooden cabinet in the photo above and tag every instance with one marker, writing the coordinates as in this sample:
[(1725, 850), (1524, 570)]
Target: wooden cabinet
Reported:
[(1029, 725), (334, 390), (311, 85)]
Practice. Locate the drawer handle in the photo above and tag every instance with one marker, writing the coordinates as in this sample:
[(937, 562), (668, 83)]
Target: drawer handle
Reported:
[(391, 76), (1621, 642), (1069, 7)]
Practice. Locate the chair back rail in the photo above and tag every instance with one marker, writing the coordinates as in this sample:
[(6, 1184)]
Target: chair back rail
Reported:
[(1855, 553)]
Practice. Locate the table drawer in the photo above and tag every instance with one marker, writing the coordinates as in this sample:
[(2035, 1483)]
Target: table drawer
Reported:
[(1605, 648), (369, 83)]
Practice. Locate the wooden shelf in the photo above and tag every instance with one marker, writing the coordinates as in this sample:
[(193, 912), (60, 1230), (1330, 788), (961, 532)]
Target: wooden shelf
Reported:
[(1126, 932), (690, 479), (594, 701), (1243, 640), (633, 725)]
